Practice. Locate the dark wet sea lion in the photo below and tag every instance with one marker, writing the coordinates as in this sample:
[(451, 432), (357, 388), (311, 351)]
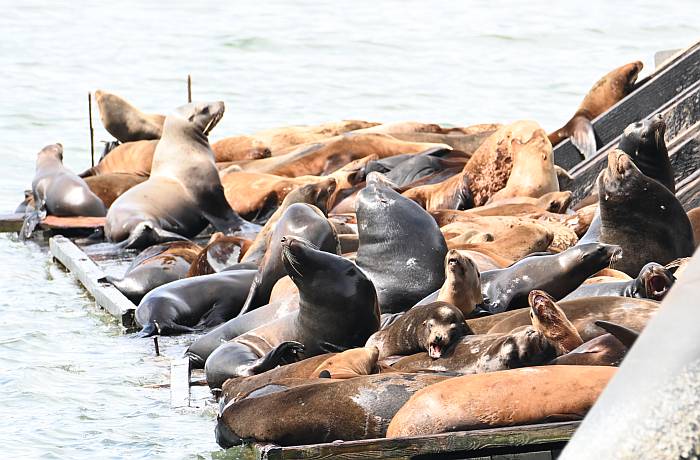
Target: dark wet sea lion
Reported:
[(416, 167), (205, 345), (156, 266), (511, 397), (644, 142), (128, 158), (337, 310), (653, 282), (551, 321), (557, 274), (607, 91), (300, 219), (604, 350), (462, 287), (485, 353), (220, 252), (583, 313), (317, 194), (192, 304), (57, 191), (124, 121), (183, 193), (640, 215), (239, 148), (109, 187), (361, 409), (401, 247), (432, 328)]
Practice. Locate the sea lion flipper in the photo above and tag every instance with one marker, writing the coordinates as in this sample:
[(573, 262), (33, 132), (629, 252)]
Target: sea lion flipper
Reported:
[(582, 136), (146, 234), (625, 335), (284, 353)]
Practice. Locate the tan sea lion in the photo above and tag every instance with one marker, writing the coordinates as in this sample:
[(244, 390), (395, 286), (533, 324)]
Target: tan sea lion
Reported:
[(280, 140), (239, 148), (432, 328), (607, 92), (453, 193), (283, 288), (462, 287), (515, 243), (532, 173), (487, 260), (556, 202), (607, 275), (550, 320), (220, 252), (506, 398), (183, 193), (109, 187), (694, 218), (129, 158), (124, 121), (348, 364)]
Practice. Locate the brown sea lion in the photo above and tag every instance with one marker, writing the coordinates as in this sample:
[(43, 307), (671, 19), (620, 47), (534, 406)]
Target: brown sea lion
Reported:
[(124, 121), (128, 158), (532, 173), (316, 194), (490, 166), (606, 92), (487, 260), (156, 266), (485, 353), (183, 194), (432, 328), (462, 287), (109, 187), (631, 313), (238, 148), (348, 364), (329, 155), (453, 193), (283, 288), (694, 218), (507, 398), (280, 140), (556, 202), (359, 408), (220, 252), (678, 266), (521, 240), (551, 321)]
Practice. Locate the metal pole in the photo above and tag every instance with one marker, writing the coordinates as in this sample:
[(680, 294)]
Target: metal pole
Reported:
[(189, 88), (92, 132)]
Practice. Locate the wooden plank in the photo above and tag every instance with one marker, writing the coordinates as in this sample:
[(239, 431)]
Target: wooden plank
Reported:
[(660, 57), (180, 382), (674, 77), (689, 192), (10, 223), (92, 278), (681, 116), (54, 222), (515, 439)]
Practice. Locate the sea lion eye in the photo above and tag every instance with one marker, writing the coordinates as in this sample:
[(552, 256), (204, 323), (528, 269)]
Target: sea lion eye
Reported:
[(191, 118)]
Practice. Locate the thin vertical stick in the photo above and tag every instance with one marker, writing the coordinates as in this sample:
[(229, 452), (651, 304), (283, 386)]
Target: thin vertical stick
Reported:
[(92, 131), (155, 343), (189, 88)]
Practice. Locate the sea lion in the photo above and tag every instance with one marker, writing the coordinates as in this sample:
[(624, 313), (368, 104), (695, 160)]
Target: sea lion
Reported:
[(556, 202), (521, 240), (625, 311), (156, 266), (532, 173), (604, 350), (640, 215), (432, 328), (644, 142), (511, 397), (678, 266), (452, 193), (348, 364), (183, 193), (204, 346), (490, 165), (27, 204), (300, 219), (283, 288), (337, 310), (653, 282), (192, 304), (239, 148), (416, 167), (109, 187), (401, 248), (557, 274), (552, 322), (485, 353), (465, 139), (280, 140), (317, 194), (124, 121), (57, 191), (361, 409), (220, 253), (606, 92), (694, 218), (128, 158), (462, 287)]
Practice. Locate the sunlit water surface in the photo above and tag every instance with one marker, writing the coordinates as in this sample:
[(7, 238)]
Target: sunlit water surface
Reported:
[(71, 384)]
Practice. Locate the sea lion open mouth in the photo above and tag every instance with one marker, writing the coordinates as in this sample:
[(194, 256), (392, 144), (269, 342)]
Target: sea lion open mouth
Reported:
[(213, 121), (657, 287), (435, 350)]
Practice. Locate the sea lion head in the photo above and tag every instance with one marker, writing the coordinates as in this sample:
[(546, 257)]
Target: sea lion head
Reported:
[(199, 117), (616, 182), (654, 281), (443, 326), (629, 73), (592, 255), (644, 136), (51, 152), (548, 319), (317, 194), (522, 348)]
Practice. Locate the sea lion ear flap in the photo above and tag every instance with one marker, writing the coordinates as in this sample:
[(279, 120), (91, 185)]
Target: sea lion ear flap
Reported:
[(582, 136), (623, 334)]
